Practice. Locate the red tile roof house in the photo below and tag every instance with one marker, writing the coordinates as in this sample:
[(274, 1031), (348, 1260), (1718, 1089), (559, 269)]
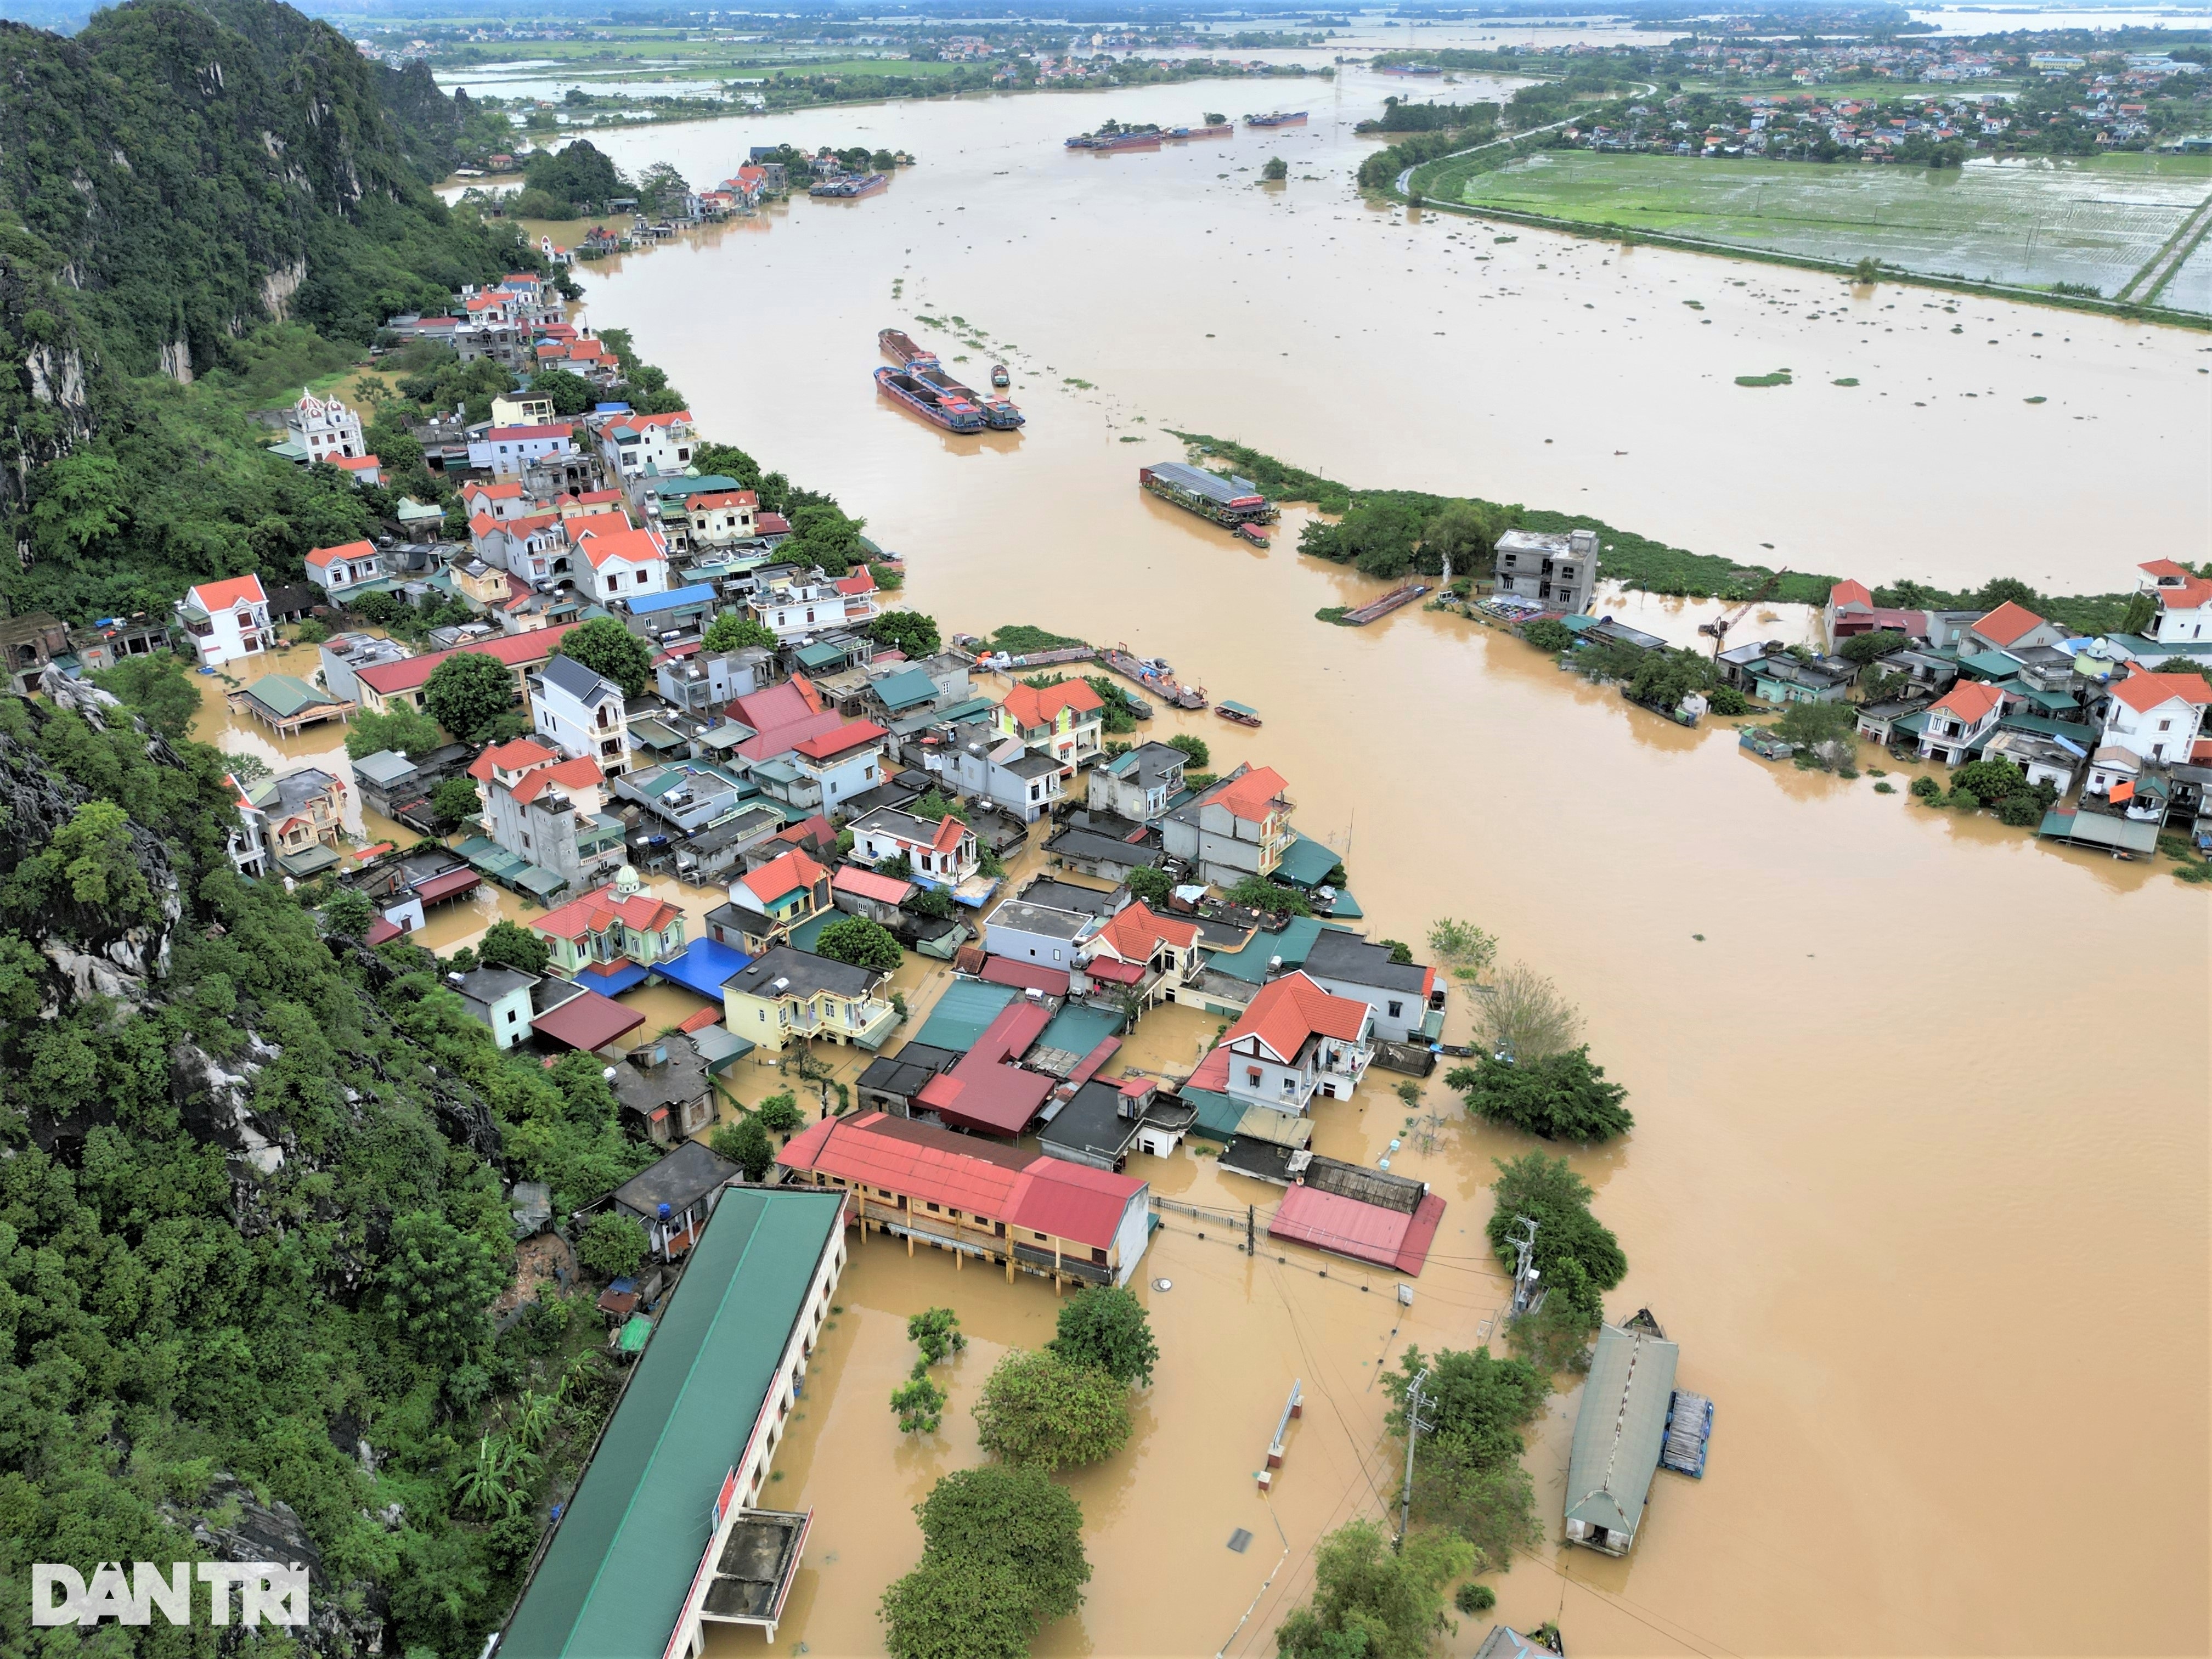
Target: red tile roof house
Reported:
[(337, 569), (1296, 1041), (609, 926), (1960, 721), (2157, 717), (976, 1198), (1852, 612), (1066, 721), (2011, 626), (1146, 955), (2184, 601), (767, 903)]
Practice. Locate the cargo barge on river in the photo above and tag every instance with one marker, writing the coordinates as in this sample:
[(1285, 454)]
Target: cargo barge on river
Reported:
[(1217, 129), (998, 412), (937, 407), (901, 347), (1111, 137), (852, 185), (1296, 117), (1232, 503)]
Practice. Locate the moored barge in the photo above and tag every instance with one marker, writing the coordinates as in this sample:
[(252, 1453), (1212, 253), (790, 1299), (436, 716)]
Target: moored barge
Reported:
[(852, 185), (998, 412), (938, 407), (1296, 117)]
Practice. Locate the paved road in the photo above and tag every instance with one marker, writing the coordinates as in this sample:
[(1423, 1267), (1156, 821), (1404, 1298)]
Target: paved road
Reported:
[(1398, 184), (2162, 266)]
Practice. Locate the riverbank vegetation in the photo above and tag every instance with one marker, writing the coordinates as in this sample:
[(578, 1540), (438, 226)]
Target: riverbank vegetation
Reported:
[(1390, 527), (1575, 1256)]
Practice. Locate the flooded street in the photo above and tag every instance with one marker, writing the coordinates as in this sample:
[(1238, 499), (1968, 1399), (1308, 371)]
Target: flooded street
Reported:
[(1919, 1176)]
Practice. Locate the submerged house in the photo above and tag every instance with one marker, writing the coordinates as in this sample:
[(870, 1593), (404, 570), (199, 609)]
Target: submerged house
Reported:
[(1619, 1435)]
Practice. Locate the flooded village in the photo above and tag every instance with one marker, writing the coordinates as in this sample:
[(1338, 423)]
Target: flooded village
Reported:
[(1037, 963), (1030, 899)]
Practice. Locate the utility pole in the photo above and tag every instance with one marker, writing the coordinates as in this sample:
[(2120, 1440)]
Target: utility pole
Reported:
[(1416, 1426), (1247, 1230), (1528, 1295)]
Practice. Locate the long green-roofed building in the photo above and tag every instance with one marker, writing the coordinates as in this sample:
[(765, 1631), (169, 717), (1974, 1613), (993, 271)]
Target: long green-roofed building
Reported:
[(659, 1533)]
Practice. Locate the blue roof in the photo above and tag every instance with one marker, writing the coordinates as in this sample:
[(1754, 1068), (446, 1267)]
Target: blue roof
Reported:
[(611, 982), (701, 966), (675, 599)]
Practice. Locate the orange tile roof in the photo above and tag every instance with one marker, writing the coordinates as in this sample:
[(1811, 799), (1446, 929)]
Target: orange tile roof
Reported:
[(355, 463), (867, 884), (600, 910), (722, 498), (2008, 623), (1032, 705), (221, 596), (2143, 692), (2165, 567), (1970, 700), (631, 546), (497, 492), (483, 525), (582, 772), (1135, 931), (519, 756), (1847, 591), (864, 581), (593, 520), (320, 557), (1290, 1008), (787, 873), (1251, 796), (2189, 595)]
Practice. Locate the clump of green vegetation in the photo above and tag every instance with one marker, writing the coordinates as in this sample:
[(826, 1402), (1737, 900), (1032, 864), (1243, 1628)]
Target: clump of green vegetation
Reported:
[(1846, 380), (1779, 377), (2035, 400), (1016, 638), (1333, 613)]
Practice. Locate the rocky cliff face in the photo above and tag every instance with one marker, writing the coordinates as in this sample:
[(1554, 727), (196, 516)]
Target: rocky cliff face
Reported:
[(95, 952)]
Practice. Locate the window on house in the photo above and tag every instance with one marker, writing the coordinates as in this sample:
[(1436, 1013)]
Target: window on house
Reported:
[(1040, 1235), (1395, 1008), (1099, 1257), (1252, 1076)]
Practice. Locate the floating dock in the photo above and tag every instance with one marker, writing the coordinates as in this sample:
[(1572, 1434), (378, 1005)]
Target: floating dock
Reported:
[(1383, 606), (1689, 1426), (1154, 677)]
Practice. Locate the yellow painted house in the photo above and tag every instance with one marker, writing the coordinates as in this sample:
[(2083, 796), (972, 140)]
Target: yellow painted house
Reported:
[(789, 996)]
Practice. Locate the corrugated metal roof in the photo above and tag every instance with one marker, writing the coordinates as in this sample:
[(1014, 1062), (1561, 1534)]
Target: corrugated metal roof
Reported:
[(1620, 1429), (614, 1578)]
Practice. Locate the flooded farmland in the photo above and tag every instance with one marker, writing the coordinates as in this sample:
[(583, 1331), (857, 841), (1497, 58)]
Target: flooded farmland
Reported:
[(1920, 1168)]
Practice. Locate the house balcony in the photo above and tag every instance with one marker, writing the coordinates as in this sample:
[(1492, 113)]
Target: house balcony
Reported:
[(873, 1023)]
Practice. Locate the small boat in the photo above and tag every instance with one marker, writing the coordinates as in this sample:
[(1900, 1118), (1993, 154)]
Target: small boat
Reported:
[(1252, 533), (998, 375), (1242, 714)]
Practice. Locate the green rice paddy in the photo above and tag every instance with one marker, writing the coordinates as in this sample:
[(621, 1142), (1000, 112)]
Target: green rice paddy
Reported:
[(2036, 222)]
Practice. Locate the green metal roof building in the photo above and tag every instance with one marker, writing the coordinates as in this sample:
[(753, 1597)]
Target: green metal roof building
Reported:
[(620, 1569), (1619, 1434)]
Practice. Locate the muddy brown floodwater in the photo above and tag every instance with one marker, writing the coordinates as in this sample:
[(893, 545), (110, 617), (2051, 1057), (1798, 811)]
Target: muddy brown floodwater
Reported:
[(1919, 1174)]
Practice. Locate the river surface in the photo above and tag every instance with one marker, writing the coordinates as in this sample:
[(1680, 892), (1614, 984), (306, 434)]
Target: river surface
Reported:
[(1919, 1178)]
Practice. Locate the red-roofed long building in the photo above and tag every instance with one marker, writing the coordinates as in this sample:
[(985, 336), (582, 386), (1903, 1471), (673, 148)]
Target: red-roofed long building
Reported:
[(388, 685), (978, 1199)]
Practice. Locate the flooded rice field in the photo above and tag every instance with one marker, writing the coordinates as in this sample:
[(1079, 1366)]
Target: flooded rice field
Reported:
[(1919, 1176)]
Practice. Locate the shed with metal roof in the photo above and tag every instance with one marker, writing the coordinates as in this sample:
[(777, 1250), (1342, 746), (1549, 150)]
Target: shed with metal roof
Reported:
[(1619, 1434)]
